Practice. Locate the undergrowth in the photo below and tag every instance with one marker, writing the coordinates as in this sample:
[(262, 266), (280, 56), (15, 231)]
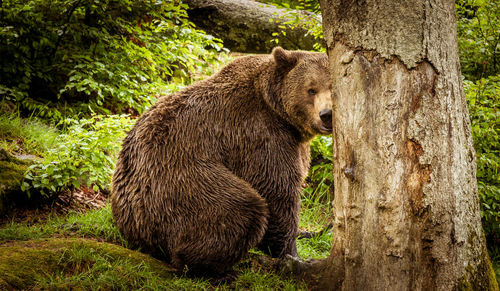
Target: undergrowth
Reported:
[(483, 99), (85, 154), (87, 268), (65, 57), (93, 270), (95, 224), (26, 136)]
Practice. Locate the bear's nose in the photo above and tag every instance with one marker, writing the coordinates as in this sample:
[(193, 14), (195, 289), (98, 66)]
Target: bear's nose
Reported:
[(326, 116)]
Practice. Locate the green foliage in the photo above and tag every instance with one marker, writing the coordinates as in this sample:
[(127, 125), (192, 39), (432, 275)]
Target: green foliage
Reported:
[(96, 55), (316, 200), (320, 178), (261, 280), (26, 136), (315, 216), (317, 247), (97, 224), (483, 98), (304, 14), (85, 155), (478, 29)]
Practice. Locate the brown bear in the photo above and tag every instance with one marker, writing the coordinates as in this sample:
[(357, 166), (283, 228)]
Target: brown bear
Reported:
[(217, 168)]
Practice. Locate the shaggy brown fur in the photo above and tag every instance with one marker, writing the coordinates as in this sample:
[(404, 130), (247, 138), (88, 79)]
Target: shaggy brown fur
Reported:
[(216, 169)]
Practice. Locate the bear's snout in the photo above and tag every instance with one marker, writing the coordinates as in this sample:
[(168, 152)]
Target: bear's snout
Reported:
[(326, 117)]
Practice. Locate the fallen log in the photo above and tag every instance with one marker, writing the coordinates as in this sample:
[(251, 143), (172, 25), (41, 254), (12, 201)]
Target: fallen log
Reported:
[(248, 26)]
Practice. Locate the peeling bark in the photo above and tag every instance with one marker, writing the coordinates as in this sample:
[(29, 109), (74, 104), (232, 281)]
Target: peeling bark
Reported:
[(406, 206)]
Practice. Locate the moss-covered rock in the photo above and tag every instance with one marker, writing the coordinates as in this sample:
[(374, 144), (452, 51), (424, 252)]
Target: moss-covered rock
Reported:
[(11, 176), (50, 262)]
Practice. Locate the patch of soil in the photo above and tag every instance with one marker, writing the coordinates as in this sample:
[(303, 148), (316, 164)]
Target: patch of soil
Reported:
[(79, 200)]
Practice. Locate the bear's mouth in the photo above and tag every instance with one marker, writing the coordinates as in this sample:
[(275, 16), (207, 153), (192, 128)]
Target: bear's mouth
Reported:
[(325, 129)]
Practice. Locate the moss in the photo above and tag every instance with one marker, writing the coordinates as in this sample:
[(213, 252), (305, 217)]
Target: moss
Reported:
[(11, 176), (24, 263), (18, 266), (464, 285), (483, 278), (490, 273), (11, 170)]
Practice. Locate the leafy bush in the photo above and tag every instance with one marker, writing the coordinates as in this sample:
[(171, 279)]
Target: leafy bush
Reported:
[(483, 100), (95, 55), (85, 155), (320, 178), (478, 29), (304, 14)]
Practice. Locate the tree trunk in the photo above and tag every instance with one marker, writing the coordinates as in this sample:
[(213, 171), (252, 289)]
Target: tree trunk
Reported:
[(248, 26), (406, 206)]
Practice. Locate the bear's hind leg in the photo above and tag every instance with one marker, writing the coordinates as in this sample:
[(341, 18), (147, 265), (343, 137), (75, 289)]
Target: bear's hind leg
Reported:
[(230, 218)]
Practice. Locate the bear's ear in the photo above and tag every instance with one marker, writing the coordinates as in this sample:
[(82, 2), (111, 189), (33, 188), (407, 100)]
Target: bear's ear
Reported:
[(285, 60)]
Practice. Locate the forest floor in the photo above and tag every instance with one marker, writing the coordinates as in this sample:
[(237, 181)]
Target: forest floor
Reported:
[(73, 243)]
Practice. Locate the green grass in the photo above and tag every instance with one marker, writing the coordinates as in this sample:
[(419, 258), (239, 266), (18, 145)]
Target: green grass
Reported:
[(94, 224), (89, 269), (316, 213), (84, 267), (26, 136), (315, 218)]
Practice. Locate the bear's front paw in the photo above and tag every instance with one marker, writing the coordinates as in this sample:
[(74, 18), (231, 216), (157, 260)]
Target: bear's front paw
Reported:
[(295, 265), (225, 278)]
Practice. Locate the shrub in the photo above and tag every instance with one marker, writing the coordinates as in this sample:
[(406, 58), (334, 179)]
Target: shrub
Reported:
[(483, 100), (85, 155), (304, 14), (95, 55), (320, 178), (478, 28)]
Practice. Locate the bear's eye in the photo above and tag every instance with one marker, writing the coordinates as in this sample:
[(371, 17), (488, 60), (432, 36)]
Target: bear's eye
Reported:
[(311, 92)]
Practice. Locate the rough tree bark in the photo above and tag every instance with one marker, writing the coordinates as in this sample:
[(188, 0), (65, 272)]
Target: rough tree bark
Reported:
[(245, 25), (406, 206)]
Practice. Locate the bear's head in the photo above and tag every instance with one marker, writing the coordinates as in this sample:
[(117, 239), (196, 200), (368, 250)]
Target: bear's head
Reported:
[(305, 90)]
